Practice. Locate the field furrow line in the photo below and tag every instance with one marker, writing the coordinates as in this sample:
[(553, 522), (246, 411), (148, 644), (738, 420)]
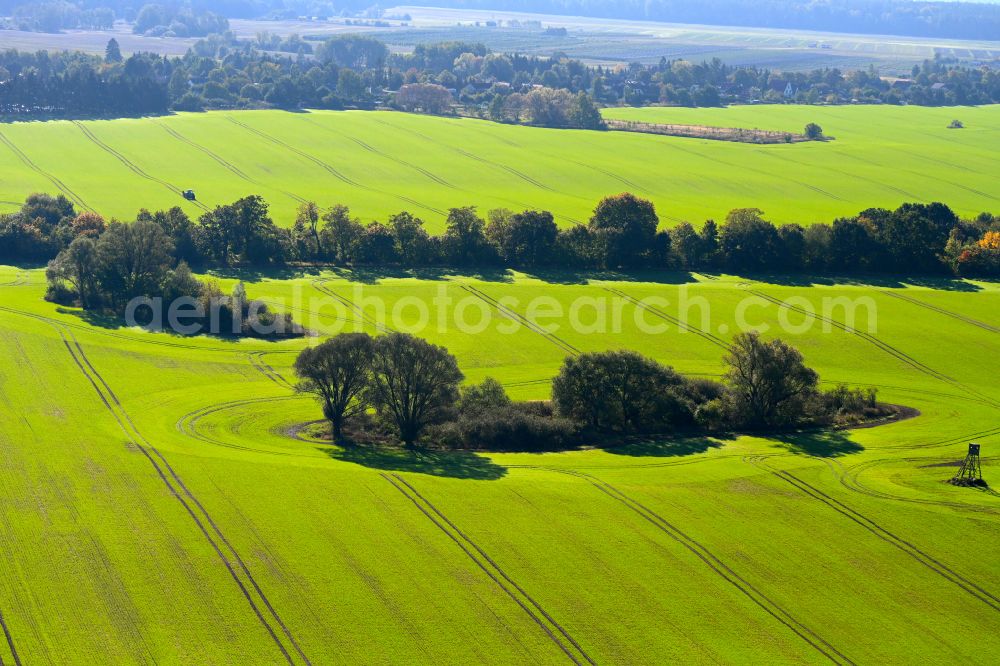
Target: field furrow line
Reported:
[(885, 347), (681, 325), (493, 571), (146, 447), (128, 427), (532, 326), (939, 310), (132, 166), (329, 169), (718, 566), (320, 286), (188, 424), (10, 642), (882, 533), (223, 162), (372, 149), (27, 161)]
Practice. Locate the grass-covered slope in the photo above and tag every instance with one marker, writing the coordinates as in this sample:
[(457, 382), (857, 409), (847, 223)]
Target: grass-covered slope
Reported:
[(380, 163)]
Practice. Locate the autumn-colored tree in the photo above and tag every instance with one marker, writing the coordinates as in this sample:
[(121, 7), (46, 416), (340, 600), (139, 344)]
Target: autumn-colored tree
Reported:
[(990, 240), (88, 224)]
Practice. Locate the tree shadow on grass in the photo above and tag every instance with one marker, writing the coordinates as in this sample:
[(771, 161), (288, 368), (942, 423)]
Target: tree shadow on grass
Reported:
[(373, 274), (942, 283), (453, 464), (569, 276), (819, 443), (668, 448)]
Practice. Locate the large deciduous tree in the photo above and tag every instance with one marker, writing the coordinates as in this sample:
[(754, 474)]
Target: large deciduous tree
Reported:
[(627, 226), (414, 383), (338, 373), (769, 382)]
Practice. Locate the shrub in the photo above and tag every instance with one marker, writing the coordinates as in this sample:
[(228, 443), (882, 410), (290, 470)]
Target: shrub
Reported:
[(516, 427)]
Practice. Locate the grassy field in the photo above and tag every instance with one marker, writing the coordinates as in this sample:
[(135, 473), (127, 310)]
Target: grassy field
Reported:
[(380, 163), (158, 510)]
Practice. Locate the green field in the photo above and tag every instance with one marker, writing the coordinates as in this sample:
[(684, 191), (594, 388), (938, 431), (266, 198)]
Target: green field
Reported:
[(155, 507), (379, 163)]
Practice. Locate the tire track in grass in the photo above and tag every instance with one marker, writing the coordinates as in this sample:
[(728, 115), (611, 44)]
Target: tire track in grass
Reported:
[(329, 169), (882, 533), (262, 366), (132, 166), (849, 479), (188, 425), (940, 310), (223, 162), (177, 488), (488, 565), (717, 565), (372, 149), (145, 447), (681, 325), (848, 174), (320, 286), (10, 642), (523, 205), (532, 326), (61, 186), (885, 347)]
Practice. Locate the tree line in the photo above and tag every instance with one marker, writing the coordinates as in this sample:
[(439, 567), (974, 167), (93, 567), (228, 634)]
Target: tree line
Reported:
[(353, 71), (398, 387), (107, 266), (623, 233)]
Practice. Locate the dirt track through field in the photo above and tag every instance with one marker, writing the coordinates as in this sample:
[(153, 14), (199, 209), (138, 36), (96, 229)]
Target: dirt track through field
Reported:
[(179, 490), (320, 286), (488, 565), (722, 569), (882, 533), (132, 166), (61, 186)]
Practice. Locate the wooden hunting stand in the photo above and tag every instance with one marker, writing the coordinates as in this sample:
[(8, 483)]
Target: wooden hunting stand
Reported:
[(971, 473)]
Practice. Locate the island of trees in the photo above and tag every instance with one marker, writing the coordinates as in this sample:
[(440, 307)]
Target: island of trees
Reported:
[(399, 388)]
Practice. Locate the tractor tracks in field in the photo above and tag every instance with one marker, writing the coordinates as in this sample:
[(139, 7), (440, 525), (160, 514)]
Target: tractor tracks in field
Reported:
[(239, 173), (328, 168), (28, 162), (881, 532), (555, 631), (713, 562), (372, 149), (940, 310), (521, 319), (885, 347), (363, 317), (130, 165), (681, 325), (203, 520), (10, 642)]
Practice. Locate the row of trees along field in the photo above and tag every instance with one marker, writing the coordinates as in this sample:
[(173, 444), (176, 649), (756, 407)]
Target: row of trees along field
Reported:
[(222, 72), (398, 387), (623, 233)]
